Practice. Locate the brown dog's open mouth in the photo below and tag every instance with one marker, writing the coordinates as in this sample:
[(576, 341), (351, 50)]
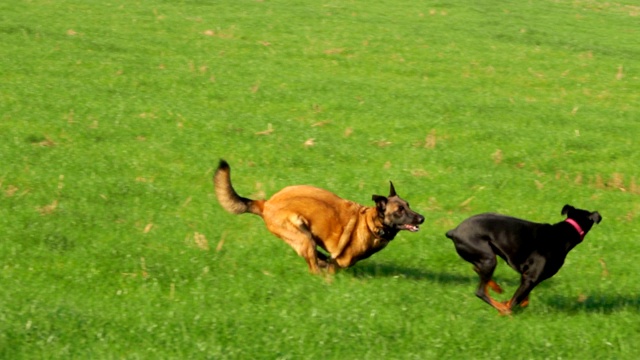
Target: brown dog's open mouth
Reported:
[(412, 228)]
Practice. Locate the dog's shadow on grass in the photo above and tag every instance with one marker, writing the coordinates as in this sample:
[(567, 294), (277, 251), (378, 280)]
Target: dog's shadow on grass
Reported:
[(590, 303), (390, 270), (364, 270), (595, 303)]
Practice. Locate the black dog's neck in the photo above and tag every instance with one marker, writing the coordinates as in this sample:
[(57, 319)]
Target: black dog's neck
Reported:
[(576, 226), (566, 239)]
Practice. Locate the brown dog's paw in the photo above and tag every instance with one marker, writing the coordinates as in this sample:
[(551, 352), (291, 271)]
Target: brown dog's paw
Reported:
[(328, 266)]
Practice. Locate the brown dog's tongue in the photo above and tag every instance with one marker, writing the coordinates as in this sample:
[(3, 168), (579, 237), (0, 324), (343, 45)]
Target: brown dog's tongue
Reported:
[(412, 228)]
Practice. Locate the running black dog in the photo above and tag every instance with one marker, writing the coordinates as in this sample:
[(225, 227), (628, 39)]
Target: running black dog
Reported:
[(537, 251)]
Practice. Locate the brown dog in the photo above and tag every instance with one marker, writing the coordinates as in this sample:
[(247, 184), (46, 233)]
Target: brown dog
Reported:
[(306, 218)]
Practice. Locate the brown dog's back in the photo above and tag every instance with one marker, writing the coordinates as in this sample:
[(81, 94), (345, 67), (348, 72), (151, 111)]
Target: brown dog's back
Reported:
[(301, 204), (307, 200)]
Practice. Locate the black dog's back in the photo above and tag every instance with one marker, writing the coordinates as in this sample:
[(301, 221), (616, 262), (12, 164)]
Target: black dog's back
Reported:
[(491, 225), (507, 236)]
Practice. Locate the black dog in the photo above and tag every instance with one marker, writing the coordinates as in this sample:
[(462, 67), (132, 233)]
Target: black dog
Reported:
[(536, 251)]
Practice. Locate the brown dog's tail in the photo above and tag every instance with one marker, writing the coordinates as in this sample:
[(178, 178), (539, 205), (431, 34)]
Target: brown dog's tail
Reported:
[(229, 198)]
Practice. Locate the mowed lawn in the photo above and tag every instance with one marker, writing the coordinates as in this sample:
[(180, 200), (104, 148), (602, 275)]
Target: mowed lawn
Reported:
[(114, 115)]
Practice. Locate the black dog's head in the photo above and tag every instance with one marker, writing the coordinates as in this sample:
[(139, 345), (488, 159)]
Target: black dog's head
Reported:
[(395, 212), (584, 218)]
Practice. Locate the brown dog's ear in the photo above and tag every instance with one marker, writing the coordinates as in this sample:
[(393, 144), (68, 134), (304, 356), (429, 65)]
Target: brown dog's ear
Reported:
[(392, 190), (566, 209), (595, 217), (381, 203)]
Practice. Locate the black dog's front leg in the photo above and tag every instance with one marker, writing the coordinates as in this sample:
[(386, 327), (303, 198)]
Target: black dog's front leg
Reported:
[(528, 281)]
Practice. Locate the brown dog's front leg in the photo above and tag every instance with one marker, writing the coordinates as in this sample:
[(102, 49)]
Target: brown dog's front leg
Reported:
[(326, 263)]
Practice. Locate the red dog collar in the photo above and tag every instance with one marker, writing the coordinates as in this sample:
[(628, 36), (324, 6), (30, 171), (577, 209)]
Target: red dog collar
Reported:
[(576, 226)]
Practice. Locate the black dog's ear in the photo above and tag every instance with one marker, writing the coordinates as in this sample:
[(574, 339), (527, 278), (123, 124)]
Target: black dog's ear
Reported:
[(566, 209), (595, 217), (392, 190), (381, 202)]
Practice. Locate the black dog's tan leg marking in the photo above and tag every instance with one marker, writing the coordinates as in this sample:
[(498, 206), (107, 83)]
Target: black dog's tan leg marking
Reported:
[(503, 308), (509, 304), (479, 253), (485, 267), (528, 281), (294, 230), (495, 287)]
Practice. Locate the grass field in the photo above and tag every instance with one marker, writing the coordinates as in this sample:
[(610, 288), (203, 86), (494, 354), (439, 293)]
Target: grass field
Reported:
[(113, 116)]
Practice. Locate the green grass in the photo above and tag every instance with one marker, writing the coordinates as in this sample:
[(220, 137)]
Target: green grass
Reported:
[(113, 116)]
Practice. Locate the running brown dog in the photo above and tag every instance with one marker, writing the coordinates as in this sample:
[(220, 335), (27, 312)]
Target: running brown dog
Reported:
[(306, 218)]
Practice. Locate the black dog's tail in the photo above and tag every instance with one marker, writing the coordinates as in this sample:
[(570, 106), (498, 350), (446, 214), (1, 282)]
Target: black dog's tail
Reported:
[(451, 234), (229, 198)]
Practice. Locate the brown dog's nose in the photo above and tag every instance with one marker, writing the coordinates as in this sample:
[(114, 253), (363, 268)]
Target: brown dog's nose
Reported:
[(420, 219)]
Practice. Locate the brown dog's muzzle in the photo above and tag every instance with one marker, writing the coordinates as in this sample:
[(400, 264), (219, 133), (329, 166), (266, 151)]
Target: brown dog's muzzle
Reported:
[(413, 225)]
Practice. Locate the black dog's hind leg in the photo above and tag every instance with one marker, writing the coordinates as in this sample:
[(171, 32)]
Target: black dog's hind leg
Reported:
[(485, 268), (481, 255)]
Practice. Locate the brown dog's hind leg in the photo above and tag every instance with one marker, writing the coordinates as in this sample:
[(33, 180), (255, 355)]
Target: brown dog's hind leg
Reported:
[(294, 230)]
